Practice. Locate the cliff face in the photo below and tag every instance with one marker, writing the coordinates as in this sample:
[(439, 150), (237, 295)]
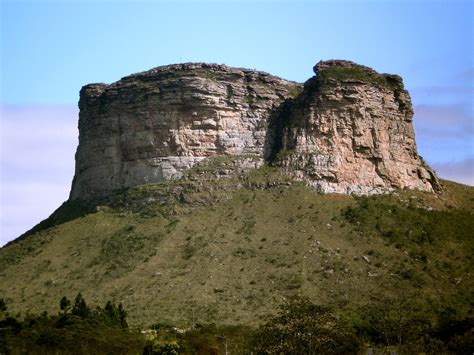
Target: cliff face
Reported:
[(349, 130), (152, 126)]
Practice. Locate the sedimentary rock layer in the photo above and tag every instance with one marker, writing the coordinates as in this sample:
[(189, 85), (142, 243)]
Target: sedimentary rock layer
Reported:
[(152, 126), (349, 129)]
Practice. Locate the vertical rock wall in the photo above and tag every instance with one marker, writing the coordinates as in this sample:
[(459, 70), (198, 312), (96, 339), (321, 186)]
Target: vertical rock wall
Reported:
[(351, 131), (151, 126), (348, 131)]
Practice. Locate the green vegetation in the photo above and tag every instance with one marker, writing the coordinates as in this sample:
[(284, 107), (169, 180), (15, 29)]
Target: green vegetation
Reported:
[(299, 327), (380, 215), (199, 339), (77, 329), (210, 168), (224, 246), (249, 100), (340, 74), (166, 259), (294, 90), (68, 211), (407, 324)]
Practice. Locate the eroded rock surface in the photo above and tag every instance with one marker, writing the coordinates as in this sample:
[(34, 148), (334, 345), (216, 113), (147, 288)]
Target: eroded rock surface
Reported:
[(152, 126), (349, 130)]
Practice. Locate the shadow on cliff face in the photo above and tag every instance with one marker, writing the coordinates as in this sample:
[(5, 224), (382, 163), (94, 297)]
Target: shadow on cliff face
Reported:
[(278, 121), (279, 136)]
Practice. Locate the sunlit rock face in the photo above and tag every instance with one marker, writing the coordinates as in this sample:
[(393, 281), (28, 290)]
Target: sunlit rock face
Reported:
[(347, 130), (350, 131), (151, 126)]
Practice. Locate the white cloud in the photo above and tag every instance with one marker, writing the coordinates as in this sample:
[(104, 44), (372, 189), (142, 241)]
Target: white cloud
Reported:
[(460, 171), (448, 119), (445, 133), (457, 91), (27, 203), (37, 164)]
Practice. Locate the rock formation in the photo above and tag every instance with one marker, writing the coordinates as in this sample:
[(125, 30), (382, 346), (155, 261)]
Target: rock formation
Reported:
[(151, 126), (349, 129)]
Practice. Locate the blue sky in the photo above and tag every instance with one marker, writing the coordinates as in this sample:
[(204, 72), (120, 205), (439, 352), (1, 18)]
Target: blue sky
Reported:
[(49, 49)]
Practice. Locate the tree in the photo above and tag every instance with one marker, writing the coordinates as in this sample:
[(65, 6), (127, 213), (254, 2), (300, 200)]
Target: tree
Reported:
[(111, 314), (80, 308), (3, 305), (64, 304), (301, 327), (397, 321), (122, 314)]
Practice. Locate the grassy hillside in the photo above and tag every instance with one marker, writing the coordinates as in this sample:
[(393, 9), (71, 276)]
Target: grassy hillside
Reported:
[(230, 250)]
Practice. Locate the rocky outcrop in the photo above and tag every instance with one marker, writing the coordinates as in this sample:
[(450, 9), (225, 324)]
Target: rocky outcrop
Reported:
[(349, 129), (152, 126)]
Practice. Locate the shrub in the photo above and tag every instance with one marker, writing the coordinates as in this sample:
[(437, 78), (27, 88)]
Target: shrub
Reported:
[(79, 331), (301, 327)]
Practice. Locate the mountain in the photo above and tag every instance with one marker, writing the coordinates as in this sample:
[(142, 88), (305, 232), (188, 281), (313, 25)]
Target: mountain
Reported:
[(204, 193), (347, 129)]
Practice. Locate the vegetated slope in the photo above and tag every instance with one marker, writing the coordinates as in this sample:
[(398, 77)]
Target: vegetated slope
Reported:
[(229, 250)]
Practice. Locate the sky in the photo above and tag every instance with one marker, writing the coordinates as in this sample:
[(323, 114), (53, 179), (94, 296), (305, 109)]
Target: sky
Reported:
[(50, 49)]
